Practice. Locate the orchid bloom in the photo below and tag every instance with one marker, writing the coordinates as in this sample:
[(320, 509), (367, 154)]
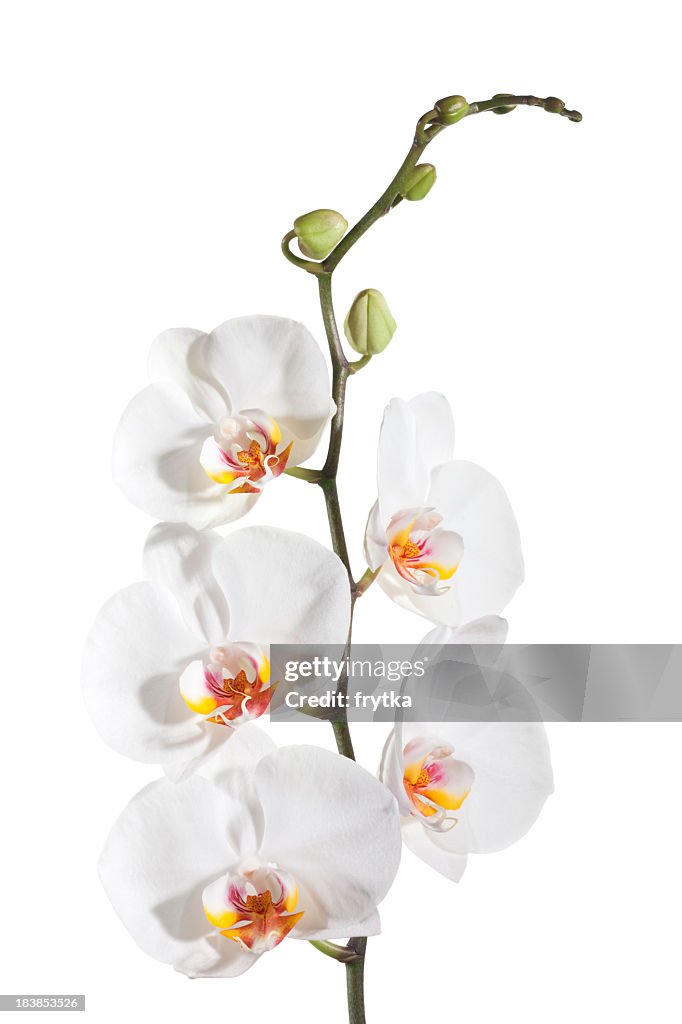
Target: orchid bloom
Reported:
[(466, 787), (174, 665), (265, 843), (225, 413), (442, 532)]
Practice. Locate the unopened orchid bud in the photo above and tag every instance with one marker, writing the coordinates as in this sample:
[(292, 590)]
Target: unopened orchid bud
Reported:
[(507, 109), (419, 182), (369, 325), (451, 109), (553, 105), (319, 231)]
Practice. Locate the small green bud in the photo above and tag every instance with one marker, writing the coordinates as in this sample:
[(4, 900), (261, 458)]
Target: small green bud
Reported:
[(451, 109), (369, 325), (554, 105), (319, 231), (503, 110), (419, 182)]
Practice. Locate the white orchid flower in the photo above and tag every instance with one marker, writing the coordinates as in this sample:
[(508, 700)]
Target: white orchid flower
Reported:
[(266, 844), (173, 665), (225, 413), (466, 787), (442, 532)]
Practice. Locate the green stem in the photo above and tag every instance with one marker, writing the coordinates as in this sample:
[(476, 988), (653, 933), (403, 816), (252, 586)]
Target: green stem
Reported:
[(550, 103), (427, 129), (344, 954), (298, 261), (428, 126), (355, 982), (359, 363), (344, 743), (312, 476), (377, 210), (366, 581), (331, 497), (341, 369)]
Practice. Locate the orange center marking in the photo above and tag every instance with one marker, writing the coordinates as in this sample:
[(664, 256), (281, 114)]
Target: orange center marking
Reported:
[(236, 685), (261, 903), (253, 456)]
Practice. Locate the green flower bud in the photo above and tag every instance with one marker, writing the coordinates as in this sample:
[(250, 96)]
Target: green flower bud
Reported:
[(319, 231), (369, 325), (554, 105), (502, 110), (419, 182), (451, 109)]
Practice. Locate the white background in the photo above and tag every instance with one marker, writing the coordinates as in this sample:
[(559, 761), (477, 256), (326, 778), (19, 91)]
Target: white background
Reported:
[(155, 153)]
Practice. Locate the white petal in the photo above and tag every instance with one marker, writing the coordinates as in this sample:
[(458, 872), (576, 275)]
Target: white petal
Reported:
[(444, 607), (513, 778), (211, 958), (376, 539), (229, 763), (392, 771), (179, 558), (420, 841), (250, 745), (402, 476), (232, 770), (195, 689), (435, 427), (491, 629), (178, 355), (134, 655), (475, 505), (334, 827), (156, 464), (282, 587), (178, 771), (272, 363), (415, 437), (167, 845)]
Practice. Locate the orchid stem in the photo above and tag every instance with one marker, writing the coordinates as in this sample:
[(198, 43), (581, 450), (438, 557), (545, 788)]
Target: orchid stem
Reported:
[(428, 127), (312, 476), (331, 497), (423, 136), (344, 954), (355, 982), (344, 743), (298, 261), (365, 582)]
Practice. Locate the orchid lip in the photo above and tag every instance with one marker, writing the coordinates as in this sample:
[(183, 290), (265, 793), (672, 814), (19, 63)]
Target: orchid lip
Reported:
[(435, 783), (246, 452), (230, 687), (253, 906), (439, 821), (423, 554)]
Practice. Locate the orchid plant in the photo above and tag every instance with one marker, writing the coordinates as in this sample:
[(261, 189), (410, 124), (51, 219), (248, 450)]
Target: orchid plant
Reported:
[(243, 844)]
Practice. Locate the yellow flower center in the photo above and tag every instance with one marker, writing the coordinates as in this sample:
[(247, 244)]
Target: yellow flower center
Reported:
[(408, 550)]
